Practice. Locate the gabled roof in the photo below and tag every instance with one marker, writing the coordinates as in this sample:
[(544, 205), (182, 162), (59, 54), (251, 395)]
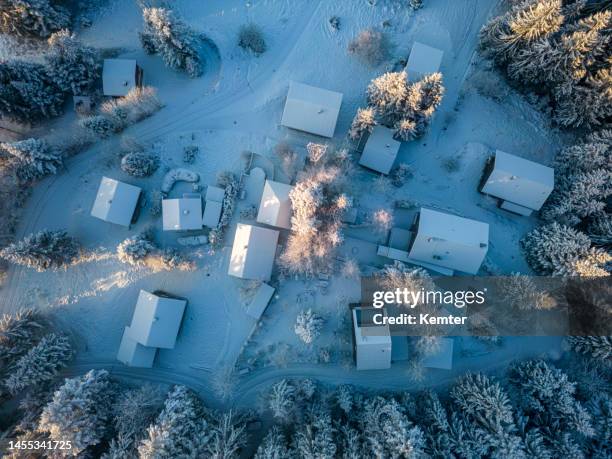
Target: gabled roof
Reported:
[(182, 214), (118, 76), (134, 354), (115, 201), (214, 193), (212, 214), (157, 320), (260, 301), (311, 109), (253, 252), (452, 242), (520, 181), (380, 150), (423, 60), (275, 205)]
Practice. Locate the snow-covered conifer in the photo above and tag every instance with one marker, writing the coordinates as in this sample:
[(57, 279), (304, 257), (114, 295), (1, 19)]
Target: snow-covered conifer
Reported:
[(344, 398), (33, 158), (79, 411), (308, 326), (364, 121), (387, 94), (41, 364), (434, 421), (134, 410), (273, 446), (598, 347), (38, 18), (314, 438), (281, 400), (139, 164), (405, 130), (349, 441), (18, 333), (43, 250)]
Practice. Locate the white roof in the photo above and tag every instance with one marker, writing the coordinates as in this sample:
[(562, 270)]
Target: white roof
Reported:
[(253, 252), (118, 76), (134, 354), (452, 242), (369, 334), (380, 150), (443, 359), (260, 301), (115, 201), (157, 320), (214, 193), (423, 60), (212, 214), (275, 205), (520, 181), (311, 109), (182, 214)]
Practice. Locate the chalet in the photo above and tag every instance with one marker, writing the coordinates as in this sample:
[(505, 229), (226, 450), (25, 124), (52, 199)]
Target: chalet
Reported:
[(116, 202), (372, 343), (182, 214), (120, 76), (522, 185), (423, 60), (253, 252), (380, 150), (134, 354), (275, 205), (310, 109)]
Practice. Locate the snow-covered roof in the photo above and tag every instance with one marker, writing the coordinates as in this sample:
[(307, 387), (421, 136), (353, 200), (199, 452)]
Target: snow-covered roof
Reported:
[(443, 358), (260, 301), (311, 109), (380, 150), (212, 214), (423, 60), (366, 332), (253, 252), (118, 76), (182, 214), (157, 320), (134, 354), (452, 242), (115, 201), (214, 193), (519, 181), (275, 205)]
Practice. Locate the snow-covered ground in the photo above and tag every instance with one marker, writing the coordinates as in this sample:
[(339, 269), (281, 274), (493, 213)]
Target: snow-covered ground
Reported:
[(236, 106)]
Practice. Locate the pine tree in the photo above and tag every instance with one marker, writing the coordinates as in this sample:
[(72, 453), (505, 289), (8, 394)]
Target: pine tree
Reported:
[(75, 68), (173, 40), (344, 398), (405, 130), (350, 442), (180, 429), (18, 333), (139, 164), (33, 158), (43, 250), (388, 94), (598, 347), (38, 18), (314, 438), (600, 408), (134, 410), (273, 446), (41, 364), (434, 420), (281, 400), (364, 121), (27, 92), (79, 411), (227, 437), (308, 326)]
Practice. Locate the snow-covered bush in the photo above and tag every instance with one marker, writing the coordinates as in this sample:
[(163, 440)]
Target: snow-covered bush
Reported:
[(33, 158), (250, 38), (273, 446), (405, 130), (41, 364), (400, 174), (27, 92), (178, 175), (155, 203), (190, 153), (231, 185), (168, 36), (382, 220), (227, 437), (316, 152), (80, 411), (370, 46), (135, 249), (281, 400), (136, 105), (75, 68), (100, 125), (37, 18), (364, 121), (350, 269), (43, 250), (388, 94), (139, 164), (308, 326)]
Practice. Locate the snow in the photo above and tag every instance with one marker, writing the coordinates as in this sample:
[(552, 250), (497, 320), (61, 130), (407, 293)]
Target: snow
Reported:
[(115, 202), (182, 214), (275, 205), (253, 252), (118, 76), (380, 150)]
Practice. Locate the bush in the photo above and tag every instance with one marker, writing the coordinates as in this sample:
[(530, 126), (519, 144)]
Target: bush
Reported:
[(371, 47), (139, 164), (43, 250), (101, 125), (250, 38)]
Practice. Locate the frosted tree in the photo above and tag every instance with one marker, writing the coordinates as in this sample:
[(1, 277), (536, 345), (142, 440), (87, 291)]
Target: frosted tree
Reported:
[(168, 36), (600, 408), (273, 446), (27, 92), (598, 347), (424, 97), (101, 125), (33, 158), (281, 400), (405, 130), (18, 333), (135, 249), (364, 121), (179, 430), (591, 154), (43, 250), (79, 411), (434, 420), (314, 438), (388, 94), (38, 18), (74, 67), (41, 364), (371, 47), (227, 437), (521, 292), (599, 229), (344, 398), (349, 441), (308, 326), (139, 164), (250, 38)]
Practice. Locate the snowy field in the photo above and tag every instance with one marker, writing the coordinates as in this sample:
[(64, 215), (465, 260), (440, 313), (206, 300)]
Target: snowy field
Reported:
[(235, 107)]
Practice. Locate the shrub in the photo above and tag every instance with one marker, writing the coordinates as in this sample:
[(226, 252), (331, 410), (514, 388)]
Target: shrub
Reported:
[(250, 38), (100, 125), (139, 164), (308, 326), (371, 47)]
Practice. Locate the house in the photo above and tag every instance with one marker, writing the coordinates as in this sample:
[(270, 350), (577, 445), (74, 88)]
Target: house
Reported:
[(134, 354), (452, 242), (522, 185), (310, 109), (182, 214), (260, 301), (372, 343), (120, 76), (423, 60), (442, 359), (116, 202), (253, 252), (213, 206), (275, 205), (157, 319), (380, 150)]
